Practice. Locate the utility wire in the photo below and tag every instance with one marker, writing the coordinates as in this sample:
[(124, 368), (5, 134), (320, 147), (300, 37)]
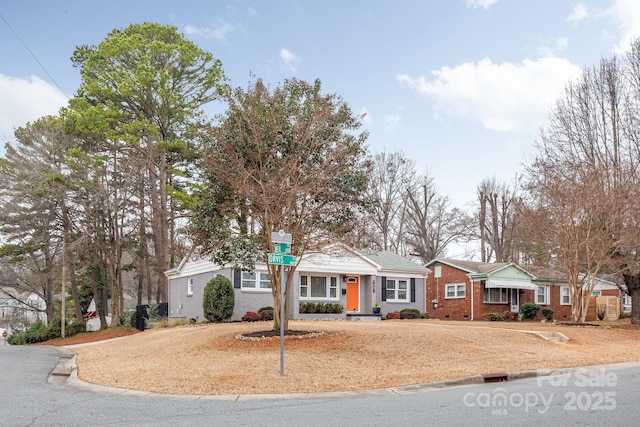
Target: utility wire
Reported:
[(34, 56)]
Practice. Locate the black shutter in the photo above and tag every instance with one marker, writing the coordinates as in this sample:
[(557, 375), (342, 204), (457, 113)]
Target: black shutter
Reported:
[(383, 296), (413, 289), (237, 279)]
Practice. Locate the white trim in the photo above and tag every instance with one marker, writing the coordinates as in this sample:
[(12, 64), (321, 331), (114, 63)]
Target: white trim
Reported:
[(329, 281), (486, 294), (545, 289), (562, 297), (256, 280), (455, 290), (396, 289)]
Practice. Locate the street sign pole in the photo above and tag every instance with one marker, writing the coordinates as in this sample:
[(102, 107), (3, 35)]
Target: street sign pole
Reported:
[(282, 245), (282, 299)]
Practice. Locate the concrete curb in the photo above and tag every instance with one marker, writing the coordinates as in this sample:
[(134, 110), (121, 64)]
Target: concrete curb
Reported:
[(65, 373)]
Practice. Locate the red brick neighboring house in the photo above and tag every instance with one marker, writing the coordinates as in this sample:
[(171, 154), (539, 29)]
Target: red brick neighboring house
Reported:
[(466, 290)]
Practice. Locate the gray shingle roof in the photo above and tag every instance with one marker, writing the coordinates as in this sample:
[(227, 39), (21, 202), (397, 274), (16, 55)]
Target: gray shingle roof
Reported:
[(388, 260), (475, 266)]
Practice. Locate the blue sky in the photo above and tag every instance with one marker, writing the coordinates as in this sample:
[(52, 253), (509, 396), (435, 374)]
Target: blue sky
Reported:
[(460, 86)]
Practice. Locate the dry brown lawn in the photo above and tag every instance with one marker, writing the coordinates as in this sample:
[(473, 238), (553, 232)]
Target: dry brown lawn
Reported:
[(347, 356)]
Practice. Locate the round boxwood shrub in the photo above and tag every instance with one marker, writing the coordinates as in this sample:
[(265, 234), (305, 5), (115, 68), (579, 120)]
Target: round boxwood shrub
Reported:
[(218, 299), (266, 315), (251, 316), (547, 312), (529, 310)]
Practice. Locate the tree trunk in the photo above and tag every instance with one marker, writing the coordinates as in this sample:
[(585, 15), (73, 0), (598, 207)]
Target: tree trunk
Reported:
[(159, 225), (633, 289), (635, 305), (74, 291)]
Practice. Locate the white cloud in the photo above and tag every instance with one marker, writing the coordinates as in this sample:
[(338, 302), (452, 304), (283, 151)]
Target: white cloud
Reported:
[(289, 59), (627, 15), (391, 121), (485, 4), (552, 47), (506, 97), (23, 101), (579, 12), (219, 32)]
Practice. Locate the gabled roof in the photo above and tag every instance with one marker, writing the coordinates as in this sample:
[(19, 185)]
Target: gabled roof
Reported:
[(343, 261), (391, 261), (470, 266), (496, 275), (547, 274)]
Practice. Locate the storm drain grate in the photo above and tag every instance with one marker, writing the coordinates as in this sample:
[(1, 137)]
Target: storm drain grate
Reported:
[(494, 378)]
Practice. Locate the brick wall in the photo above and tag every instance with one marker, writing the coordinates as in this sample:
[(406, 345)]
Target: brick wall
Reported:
[(448, 308)]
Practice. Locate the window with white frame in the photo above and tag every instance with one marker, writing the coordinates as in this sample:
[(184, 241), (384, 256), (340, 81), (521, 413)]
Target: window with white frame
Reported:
[(542, 295), (397, 290), (597, 293), (565, 295), (495, 295), (455, 290), (318, 287), (190, 286), (255, 280)]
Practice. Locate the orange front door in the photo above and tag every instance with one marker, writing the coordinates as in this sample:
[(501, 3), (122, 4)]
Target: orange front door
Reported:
[(353, 294)]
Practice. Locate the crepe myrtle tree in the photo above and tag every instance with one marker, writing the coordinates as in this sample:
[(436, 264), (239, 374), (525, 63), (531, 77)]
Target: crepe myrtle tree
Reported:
[(288, 158)]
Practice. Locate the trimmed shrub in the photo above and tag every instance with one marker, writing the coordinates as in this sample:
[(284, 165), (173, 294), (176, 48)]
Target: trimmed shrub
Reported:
[(425, 315), (305, 307), (529, 310), (261, 309), (266, 315), (218, 299), (494, 317), (320, 307), (251, 316), (509, 316), (392, 315), (547, 312), (409, 314), (336, 308)]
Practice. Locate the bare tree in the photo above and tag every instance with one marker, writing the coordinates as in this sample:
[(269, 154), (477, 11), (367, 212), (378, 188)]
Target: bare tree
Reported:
[(432, 225), (583, 182), (497, 219), (391, 177)]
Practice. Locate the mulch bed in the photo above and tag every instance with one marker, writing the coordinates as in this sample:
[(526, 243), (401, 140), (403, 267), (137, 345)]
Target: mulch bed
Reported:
[(274, 333)]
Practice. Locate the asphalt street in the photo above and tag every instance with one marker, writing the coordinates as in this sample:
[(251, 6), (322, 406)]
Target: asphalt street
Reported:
[(40, 388)]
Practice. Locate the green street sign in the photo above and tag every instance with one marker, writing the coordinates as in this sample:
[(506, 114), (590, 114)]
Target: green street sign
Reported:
[(283, 248), (281, 259)]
